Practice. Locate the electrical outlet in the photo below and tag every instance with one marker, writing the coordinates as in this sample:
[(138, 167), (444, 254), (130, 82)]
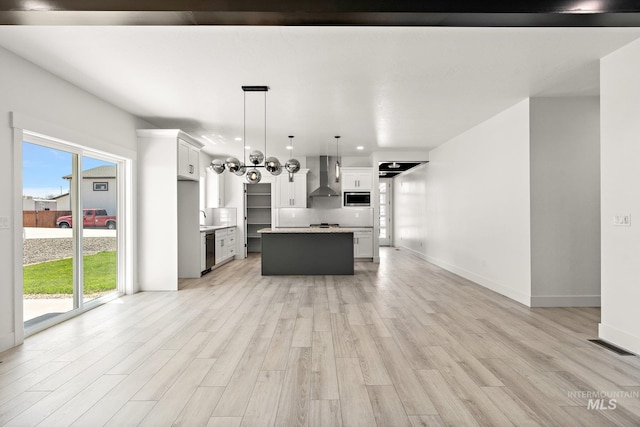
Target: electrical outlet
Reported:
[(4, 222), (622, 220)]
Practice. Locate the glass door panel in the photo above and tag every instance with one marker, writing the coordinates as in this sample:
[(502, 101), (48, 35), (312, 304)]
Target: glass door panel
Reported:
[(48, 279), (99, 234), (385, 212)]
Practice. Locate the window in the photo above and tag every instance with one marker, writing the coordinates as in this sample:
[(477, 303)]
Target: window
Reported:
[(100, 186)]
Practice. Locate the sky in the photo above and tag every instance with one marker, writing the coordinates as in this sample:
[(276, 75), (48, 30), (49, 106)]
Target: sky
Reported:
[(43, 169)]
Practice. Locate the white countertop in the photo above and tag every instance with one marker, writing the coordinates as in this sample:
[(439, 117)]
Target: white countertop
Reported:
[(205, 228), (307, 230)]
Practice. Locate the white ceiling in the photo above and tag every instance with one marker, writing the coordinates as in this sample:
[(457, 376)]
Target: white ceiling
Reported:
[(382, 88)]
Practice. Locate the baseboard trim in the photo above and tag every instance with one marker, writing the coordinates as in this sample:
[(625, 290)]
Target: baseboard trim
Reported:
[(482, 281), (8, 341), (565, 301), (619, 338)]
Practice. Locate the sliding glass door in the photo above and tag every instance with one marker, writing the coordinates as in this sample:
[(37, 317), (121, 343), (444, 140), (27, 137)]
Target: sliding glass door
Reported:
[(70, 228)]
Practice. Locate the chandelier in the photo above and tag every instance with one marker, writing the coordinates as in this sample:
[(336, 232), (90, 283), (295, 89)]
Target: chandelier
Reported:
[(256, 157)]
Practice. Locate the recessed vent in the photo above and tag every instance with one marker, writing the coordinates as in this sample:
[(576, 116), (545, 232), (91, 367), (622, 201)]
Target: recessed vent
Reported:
[(612, 347)]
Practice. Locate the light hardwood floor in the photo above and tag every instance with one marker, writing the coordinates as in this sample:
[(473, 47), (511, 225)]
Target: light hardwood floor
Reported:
[(400, 343)]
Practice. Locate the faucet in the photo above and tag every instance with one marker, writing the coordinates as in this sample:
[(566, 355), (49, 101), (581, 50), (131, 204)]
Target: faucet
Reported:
[(204, 213)]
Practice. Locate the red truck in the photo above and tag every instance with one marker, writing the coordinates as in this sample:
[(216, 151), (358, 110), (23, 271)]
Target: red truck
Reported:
[(90, 218)]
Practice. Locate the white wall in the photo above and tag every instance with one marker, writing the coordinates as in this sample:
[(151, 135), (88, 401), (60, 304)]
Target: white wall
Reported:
[(620, 178), (65, 110), (565, 201), (410, 204), (475, 191)]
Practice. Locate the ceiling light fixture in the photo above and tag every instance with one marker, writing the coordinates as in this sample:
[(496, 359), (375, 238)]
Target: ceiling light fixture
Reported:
[(256, 157), (337, 158), (359, 147)]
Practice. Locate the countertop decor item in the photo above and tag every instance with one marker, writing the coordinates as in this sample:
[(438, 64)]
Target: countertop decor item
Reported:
[(256, 157)]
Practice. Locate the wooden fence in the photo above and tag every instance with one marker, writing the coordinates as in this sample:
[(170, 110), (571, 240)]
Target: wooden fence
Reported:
[(45, 219)]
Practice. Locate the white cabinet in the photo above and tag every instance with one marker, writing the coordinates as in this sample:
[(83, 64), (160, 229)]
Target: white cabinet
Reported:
[(359, 179), (225, 244), (363, 243), (292, 194), (214, 189), (188, 160)]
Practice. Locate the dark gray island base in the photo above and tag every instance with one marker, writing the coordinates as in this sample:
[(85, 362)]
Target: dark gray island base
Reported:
[(306, 252)]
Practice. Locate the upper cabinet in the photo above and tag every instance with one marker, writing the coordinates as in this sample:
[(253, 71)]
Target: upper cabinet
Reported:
[(188, 160), (292, 194), (358, 179)]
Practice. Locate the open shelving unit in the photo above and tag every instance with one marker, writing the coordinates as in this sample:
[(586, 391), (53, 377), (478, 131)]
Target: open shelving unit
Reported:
[(258, 213)]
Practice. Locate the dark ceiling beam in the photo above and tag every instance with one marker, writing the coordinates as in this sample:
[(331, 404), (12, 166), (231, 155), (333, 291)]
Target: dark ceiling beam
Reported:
[(533, 13)]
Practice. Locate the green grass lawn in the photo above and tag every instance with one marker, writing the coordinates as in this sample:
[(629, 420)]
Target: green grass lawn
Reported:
[(56, 277)]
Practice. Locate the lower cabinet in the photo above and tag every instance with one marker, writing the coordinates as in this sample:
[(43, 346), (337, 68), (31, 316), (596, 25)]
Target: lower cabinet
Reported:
[(363, 243), (225, 244)]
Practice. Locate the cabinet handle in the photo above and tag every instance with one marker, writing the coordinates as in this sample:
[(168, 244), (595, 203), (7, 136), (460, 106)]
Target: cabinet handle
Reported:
[(190, 168)]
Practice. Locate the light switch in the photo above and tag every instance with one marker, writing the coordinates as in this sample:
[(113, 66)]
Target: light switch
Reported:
[(622, 220), (4, 222)]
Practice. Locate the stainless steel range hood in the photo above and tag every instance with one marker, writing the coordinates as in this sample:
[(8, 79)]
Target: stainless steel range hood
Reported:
[(324, 190)]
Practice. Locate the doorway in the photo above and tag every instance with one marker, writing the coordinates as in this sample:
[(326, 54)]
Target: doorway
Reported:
[(70, 204)]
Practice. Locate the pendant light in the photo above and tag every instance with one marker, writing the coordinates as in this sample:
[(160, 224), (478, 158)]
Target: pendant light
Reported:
[(337, 158), (256, 157), (292, 165)]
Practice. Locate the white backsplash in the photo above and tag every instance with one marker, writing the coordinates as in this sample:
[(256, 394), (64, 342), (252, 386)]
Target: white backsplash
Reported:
[(220, 216), (346, 217)]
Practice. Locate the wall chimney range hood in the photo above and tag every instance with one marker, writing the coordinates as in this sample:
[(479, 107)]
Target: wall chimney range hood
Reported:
[(324, 190)]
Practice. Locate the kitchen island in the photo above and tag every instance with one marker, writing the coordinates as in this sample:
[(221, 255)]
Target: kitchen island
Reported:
[(307, 251)]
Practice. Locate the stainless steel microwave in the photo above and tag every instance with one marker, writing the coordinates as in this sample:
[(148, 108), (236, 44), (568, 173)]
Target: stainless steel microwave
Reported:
[(357, 198)]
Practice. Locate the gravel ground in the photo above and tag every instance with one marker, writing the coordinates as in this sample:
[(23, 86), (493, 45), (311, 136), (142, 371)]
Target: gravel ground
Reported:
[(41, 250)]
